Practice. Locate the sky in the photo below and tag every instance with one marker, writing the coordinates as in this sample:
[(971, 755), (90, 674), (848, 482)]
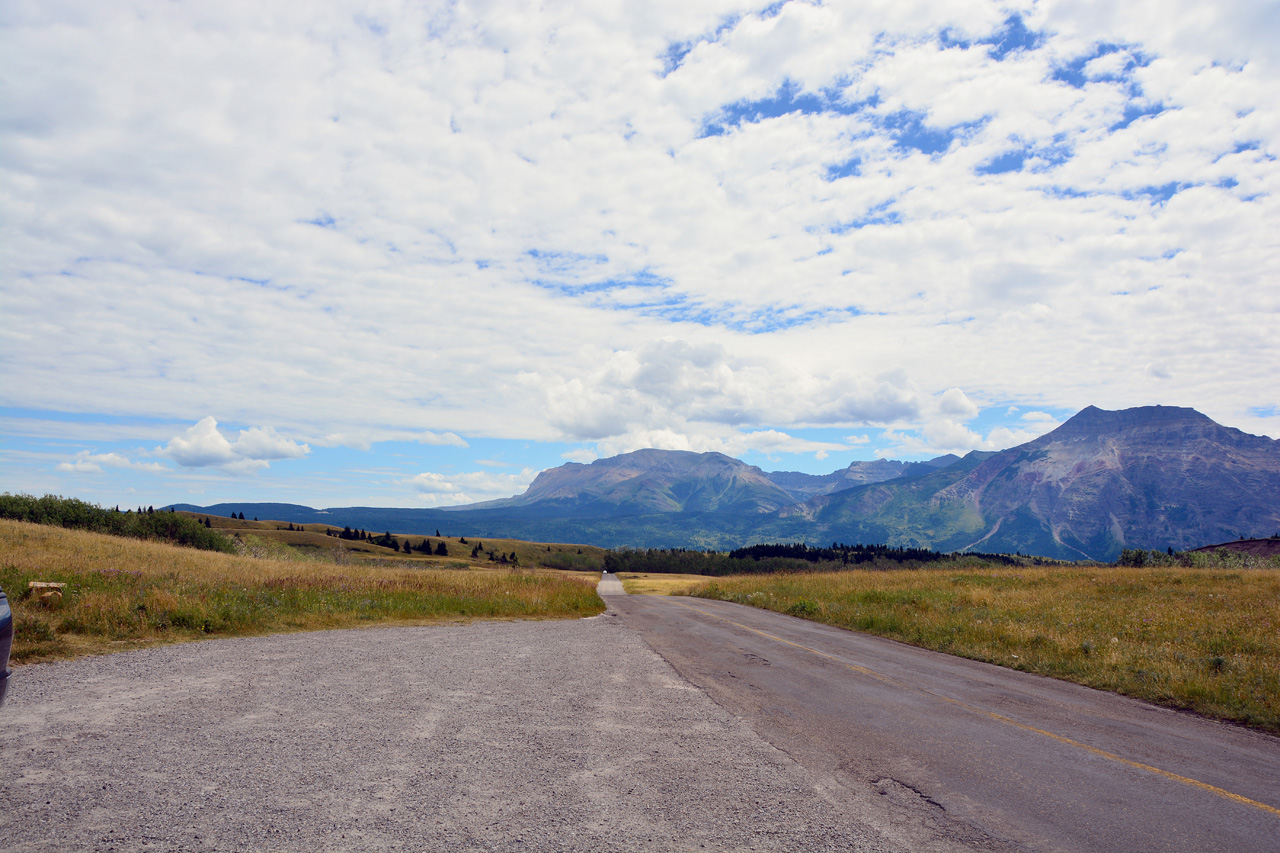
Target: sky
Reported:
[(413, 253)]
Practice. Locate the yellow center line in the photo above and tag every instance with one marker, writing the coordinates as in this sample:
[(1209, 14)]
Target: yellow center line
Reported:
[(1195, 783)]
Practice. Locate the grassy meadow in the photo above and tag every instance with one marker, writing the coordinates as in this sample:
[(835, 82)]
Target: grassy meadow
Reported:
[(124, 593), (1201, 639)]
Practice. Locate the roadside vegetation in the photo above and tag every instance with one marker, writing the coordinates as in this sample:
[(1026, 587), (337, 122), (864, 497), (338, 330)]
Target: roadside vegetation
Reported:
[(122, 593), (1205, 639)]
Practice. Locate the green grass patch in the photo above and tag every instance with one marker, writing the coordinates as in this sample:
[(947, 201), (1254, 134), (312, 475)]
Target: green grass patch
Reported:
[(1204, 640)]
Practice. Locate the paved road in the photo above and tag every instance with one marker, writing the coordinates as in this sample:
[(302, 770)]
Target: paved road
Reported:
[(1000, 757), (566, 736)]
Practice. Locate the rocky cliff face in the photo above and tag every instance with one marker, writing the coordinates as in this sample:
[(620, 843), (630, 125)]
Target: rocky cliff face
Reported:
[(1149, 477)]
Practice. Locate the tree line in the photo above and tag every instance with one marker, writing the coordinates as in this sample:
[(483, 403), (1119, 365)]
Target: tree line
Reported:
[(781, 558)]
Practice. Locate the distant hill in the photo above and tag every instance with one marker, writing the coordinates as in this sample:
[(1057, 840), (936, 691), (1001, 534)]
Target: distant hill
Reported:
[(647, 482), (1256, 547), (1148, 477)]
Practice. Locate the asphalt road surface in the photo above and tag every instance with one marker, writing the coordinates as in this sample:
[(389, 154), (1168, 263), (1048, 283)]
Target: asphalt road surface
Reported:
[(998, 756)]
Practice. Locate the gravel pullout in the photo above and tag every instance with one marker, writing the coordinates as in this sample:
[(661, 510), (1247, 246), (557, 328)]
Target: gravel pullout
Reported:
[(565, 735)]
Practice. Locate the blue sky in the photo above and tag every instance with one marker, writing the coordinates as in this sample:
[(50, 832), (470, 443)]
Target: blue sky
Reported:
[(412, 254)]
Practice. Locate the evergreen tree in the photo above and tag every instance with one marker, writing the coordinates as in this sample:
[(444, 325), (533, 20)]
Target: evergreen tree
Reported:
[(441, 550)]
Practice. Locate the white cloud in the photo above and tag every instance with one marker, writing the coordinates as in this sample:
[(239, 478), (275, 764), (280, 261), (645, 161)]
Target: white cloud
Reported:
[(204, 446), (263, 443), (954, 402)]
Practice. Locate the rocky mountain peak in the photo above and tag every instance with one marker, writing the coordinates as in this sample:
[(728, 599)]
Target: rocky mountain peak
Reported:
[(1093, 422)]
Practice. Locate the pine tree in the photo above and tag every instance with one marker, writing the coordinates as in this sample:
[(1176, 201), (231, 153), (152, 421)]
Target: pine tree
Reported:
[(442, 550)]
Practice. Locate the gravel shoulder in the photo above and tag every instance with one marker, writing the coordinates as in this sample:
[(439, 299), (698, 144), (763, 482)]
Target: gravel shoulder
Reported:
[(558, 735)]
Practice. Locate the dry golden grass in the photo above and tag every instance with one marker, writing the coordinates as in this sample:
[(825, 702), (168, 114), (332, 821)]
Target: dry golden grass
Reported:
[(311, 539), (126, 593), (1201, 639), (653, 583)]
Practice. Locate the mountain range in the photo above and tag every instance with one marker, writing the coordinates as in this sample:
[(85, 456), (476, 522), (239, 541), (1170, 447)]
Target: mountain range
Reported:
[(1148, 477)]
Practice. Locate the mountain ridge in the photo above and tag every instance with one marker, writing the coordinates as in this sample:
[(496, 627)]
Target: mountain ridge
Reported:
[(1148, 477)]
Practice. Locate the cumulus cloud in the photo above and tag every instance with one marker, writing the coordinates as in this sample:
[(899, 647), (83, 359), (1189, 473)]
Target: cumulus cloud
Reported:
[(204, 446), (954, 402)]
